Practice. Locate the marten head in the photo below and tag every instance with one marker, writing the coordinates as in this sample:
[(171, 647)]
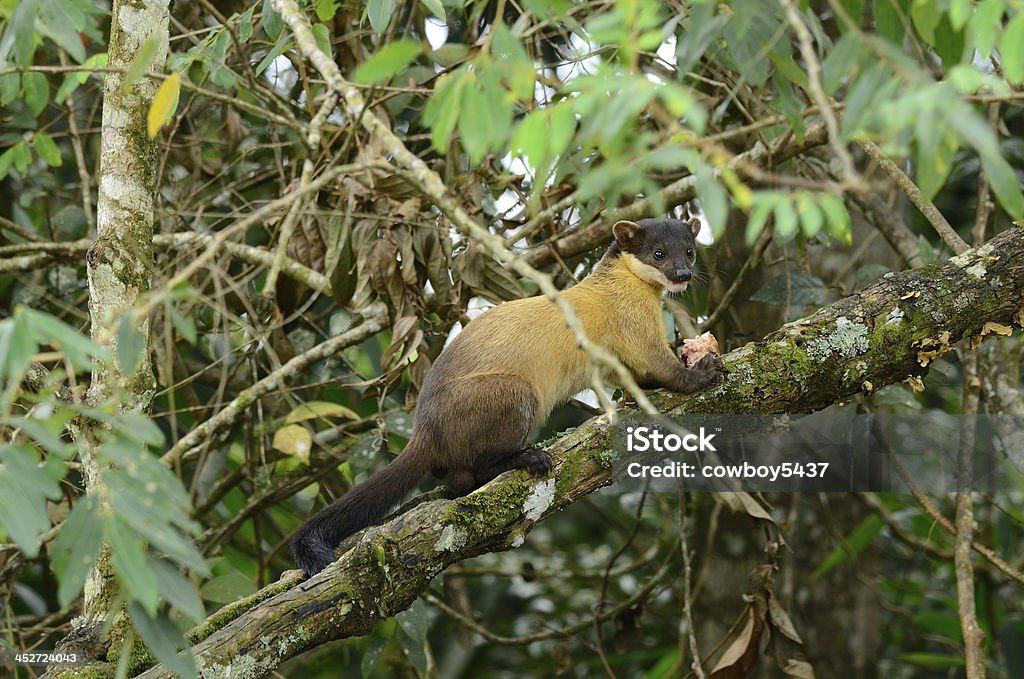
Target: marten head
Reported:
[(659, 251)]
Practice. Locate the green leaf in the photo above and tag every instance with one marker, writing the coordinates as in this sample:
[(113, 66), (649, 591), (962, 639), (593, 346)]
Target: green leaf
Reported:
[(48, 432), (141, 63), (62, 25), (1004, 183), (840, 62), (516, 66), (949, 43), (436, 8), (935, 154), (50, 330), (925, 15), (225, 589), (10, 85), (786, 224), (759, 213), (75, 550), (379, 13), (860, 538), (371, 654), (326, 9), (6, 159), (130, 344), (177, 589), (793, 289), (986, 21), (24, 488), (22, 157), (1011, 50), (131, 565), (838, 219), (387, 63), (484, 117), (414, 621), (862, 99), (164, 639), (855, 10), (531, 139), (940, 623), (680, 102), (415, 653), (322, 34), (811, 219), (442, 110), (714, 199), (245, 28), (936, 661), (185, 325), (701, 28), (17, 344), (887, 19), (47, 149), (277, 50), (18, 36), (158, 518), (562, 128), (272, 22), (73, 80), (37, 92), (959, 11)]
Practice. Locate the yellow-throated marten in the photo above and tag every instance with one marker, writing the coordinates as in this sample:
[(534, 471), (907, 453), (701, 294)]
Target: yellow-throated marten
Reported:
[(509, 367)]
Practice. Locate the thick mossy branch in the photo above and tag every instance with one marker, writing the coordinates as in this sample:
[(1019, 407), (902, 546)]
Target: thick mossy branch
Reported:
[(876, 337)]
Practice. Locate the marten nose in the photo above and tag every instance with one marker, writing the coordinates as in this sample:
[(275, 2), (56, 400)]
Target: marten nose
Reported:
[(682, 275)]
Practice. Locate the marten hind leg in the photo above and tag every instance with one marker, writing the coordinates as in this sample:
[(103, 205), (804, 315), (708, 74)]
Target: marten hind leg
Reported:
[(497, 414)]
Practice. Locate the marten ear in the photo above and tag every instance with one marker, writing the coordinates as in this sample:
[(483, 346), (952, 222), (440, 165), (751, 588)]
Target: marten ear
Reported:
[(694, 226), (625, 233)]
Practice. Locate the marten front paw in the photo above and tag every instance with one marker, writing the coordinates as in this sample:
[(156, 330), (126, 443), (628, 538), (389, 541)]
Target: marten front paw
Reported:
[(713, 367)]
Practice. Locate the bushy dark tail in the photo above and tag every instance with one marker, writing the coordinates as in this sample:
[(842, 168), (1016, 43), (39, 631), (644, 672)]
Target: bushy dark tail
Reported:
[(313, 544)]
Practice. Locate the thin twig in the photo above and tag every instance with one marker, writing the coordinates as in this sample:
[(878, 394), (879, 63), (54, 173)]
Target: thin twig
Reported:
[(974, 636), (948, 234), (691, 633), (814, 88), (753, 261), (76, 146)]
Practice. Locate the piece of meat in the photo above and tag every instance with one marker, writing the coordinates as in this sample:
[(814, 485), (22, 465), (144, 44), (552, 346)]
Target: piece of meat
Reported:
[(695, 349)]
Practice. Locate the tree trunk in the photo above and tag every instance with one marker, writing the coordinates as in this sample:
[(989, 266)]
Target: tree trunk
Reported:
[(120, 260)]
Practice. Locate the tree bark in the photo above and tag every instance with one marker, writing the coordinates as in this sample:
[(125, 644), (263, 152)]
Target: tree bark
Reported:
[(879, 336)]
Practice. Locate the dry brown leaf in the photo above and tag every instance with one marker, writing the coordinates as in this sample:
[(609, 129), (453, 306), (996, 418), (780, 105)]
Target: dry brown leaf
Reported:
[(741, 656)]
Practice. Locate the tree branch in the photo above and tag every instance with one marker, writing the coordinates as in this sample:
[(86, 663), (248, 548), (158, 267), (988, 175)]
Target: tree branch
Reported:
[(867, 340)]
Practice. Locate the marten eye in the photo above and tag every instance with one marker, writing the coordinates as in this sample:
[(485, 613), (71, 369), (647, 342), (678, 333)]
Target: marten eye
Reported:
[(658, 254), (689, 253)]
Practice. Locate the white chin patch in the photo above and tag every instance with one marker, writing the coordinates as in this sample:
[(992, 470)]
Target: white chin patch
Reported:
[(674, 287)]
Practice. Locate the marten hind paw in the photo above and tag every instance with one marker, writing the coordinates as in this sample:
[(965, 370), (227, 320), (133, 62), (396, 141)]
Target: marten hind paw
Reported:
[(537, 461)]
